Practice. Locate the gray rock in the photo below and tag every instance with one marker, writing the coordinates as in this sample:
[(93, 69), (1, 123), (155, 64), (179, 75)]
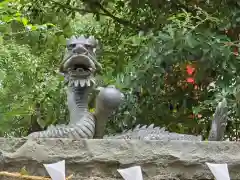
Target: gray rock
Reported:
[(99, 159)]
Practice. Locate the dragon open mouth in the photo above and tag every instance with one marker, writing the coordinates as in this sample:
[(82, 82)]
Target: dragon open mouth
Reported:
[(80, 70), (79, 65)]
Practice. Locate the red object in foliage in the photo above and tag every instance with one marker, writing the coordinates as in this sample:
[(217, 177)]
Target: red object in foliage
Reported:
[(191, 116), (199, 116), (190, 69), (235, 51), (190, 80)]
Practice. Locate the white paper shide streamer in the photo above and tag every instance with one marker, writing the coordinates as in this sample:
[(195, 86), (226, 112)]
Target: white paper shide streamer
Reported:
[(132, 173), (220, 171), (56, 170)]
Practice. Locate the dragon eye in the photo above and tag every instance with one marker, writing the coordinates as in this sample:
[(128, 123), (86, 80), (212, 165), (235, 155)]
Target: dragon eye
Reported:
[(88, 46), (71, 46)]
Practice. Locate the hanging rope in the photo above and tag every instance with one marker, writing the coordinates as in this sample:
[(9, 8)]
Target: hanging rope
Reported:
[(20, 176)]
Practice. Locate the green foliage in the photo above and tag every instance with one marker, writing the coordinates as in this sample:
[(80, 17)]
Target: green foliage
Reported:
[(32, 94), (145, 47), (29, 90), (185, 38)]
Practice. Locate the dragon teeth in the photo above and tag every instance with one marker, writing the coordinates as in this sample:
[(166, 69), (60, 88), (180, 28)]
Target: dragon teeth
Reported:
[(93, 81), (82, 83), (72, 83), (76, 83), (88, 82)]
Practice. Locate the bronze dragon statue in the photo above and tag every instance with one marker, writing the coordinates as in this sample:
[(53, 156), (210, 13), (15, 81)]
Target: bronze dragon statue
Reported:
[(79, 67)]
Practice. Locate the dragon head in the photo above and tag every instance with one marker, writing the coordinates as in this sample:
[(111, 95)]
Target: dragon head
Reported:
[(79, 64)]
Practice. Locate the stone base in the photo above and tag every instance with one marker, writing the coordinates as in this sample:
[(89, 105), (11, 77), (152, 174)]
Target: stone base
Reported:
[(100, 159)]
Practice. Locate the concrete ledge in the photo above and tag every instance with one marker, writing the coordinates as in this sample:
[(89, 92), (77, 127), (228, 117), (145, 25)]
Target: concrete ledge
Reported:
[(100, 159)]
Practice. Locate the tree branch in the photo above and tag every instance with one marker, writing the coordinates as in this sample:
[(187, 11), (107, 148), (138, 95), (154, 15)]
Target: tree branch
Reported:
[(117, 19), (105, 13), (65, 6)]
